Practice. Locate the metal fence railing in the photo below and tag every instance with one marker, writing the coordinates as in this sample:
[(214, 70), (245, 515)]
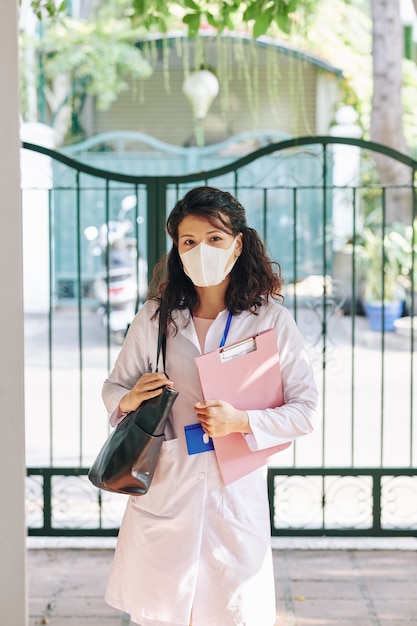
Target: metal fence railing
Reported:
[(311, 199)]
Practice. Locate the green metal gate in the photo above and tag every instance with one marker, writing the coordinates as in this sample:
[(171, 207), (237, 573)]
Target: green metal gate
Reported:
[(357, 474)]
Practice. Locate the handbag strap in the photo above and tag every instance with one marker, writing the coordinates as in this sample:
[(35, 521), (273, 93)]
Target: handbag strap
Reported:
[(162, 341)]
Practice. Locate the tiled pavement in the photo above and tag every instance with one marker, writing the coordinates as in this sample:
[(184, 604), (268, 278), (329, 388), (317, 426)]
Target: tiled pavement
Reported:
[(318, 583)]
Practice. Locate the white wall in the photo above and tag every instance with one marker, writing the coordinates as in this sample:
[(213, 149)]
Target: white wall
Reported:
[(168, 116), (13, 594)]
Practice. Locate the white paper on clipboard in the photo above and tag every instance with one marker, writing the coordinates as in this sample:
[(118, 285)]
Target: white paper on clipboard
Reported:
[(238, 349), (246, 374)]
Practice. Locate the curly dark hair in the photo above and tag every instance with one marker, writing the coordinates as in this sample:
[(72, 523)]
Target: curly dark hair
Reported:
[(254, 277)]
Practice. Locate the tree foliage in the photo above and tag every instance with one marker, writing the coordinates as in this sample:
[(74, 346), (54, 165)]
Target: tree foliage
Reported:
[(339, 30), (260, 16), (48, 7), (98, 55)]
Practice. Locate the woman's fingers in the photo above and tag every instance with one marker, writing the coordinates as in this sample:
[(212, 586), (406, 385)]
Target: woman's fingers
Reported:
[(150, 382), (219, 418), (148, 386)]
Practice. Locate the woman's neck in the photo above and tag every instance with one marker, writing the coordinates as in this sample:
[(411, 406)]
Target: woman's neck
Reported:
[(211, 301)]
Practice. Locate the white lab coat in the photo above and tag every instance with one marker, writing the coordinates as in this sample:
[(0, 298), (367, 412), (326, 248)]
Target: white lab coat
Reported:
[(192, 545)]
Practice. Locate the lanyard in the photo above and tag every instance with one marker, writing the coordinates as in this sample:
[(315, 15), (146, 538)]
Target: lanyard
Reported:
[(226, 330)]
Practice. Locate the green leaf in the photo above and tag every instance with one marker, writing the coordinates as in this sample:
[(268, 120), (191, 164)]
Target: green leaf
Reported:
[(211, 20), (229, 23), (284, 23), (51, 7), (262, 23), (163, 8), (190, 4), (139, 7), (193, 21), (250, 13), (292, 6)]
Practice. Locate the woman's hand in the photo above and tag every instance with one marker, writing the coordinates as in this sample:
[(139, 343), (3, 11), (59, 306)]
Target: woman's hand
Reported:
[(220, 418), (148, 386)]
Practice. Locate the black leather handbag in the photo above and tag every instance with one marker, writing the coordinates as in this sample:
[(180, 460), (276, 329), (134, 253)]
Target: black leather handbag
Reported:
[(127, 461)]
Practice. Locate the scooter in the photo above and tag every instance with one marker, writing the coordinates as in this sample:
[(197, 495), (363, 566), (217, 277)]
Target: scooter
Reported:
[(120, 288)]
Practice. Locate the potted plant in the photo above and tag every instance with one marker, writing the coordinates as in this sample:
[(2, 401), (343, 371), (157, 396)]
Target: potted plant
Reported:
[(384, 263)]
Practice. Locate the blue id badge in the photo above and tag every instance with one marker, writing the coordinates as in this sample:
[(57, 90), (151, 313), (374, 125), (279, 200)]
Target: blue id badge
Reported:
[(197, 440)]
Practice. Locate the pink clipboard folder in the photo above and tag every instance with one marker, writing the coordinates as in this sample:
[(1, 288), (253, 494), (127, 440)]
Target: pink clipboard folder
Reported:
[(246, 374)]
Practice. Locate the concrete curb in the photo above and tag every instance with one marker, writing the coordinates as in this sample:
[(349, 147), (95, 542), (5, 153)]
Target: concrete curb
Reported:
[(278, 543)]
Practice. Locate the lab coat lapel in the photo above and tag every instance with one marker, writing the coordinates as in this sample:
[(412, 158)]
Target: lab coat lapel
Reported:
[(186, 327), (215, 332)]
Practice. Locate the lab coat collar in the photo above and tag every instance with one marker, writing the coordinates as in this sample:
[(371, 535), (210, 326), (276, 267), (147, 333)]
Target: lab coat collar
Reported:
[(186, 327)]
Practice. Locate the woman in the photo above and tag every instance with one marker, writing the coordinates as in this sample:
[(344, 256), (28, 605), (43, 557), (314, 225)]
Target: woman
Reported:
[(193, 550)]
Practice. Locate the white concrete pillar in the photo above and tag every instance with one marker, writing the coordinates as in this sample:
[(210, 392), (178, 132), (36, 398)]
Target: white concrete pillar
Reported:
[(346, 170), (327, 94), (13, 594), (36, 180)]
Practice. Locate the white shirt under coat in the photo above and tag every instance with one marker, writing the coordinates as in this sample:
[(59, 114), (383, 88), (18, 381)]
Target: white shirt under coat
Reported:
[(190, 543)]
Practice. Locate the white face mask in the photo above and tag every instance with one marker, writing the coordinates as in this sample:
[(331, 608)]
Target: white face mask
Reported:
[(206, 265)]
